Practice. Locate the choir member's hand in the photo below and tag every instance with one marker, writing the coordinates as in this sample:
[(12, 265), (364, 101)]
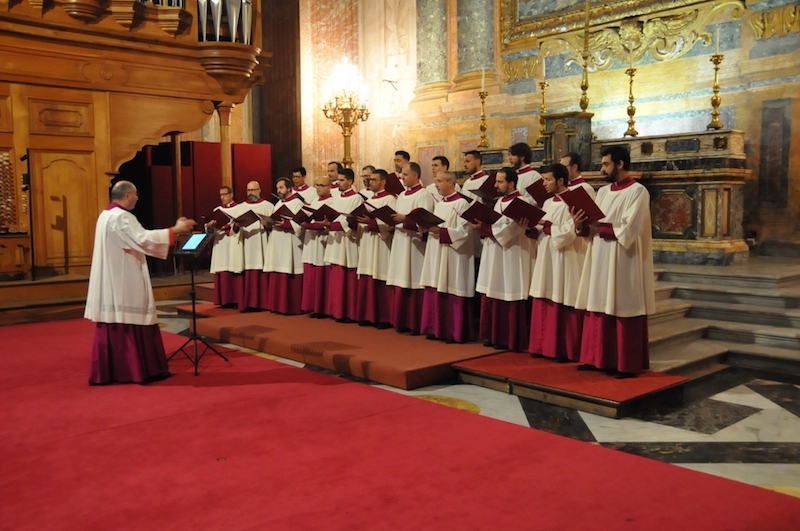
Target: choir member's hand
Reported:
[(325, 222), (578, 216), (183, 225), (211, 223), (524, 223), (477, 224), (398, 217), (363, 219), (434, 230)]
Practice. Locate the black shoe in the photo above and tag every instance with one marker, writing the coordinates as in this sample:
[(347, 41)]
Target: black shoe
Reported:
[(383, 326), (158, 377), (587, 367), (619, 375), (487, 343), (501, 347), (314, 315), (449, 340), (536, 355), (364, 323), (431, 337), (345, 320), (413, 333), (403, 330), (560, 360)]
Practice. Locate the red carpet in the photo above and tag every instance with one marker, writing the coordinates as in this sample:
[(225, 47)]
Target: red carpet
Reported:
[(383, 356), (256, 444), (541, 372)]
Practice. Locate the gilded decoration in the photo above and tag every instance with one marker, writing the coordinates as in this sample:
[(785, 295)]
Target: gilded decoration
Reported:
[(777, 22), (625, 31)]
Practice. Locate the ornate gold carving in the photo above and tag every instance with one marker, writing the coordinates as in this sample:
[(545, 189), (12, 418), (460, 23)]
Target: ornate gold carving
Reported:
[(624, 25), (521, 68), (775, 22)]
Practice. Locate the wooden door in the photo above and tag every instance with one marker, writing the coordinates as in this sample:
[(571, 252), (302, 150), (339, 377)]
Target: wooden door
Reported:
[(64, 209)]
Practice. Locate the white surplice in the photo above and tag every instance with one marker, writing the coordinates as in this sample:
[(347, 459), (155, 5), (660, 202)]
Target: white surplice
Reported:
[(314, 240), (617, 275), (254, 236), (119, 281), (306, 192), (431, 189), (375, 247), (526, 176), (507, 257), (228, 251), (408, 247), (450, 268), (284, 253), (342, 245), (560, 256)]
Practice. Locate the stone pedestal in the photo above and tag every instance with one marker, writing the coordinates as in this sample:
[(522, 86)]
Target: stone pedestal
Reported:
[(696, 183)]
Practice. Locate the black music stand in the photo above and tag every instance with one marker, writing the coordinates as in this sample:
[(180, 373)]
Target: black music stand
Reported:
[(194, 246)]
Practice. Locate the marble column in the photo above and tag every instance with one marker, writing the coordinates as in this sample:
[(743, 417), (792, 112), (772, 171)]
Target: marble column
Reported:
[(432, 78), (475, 44)]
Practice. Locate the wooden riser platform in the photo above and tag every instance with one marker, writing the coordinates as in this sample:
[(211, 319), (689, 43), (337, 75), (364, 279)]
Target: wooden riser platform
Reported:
[(561, 384)]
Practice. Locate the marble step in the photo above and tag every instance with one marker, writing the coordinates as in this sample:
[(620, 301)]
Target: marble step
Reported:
[(741, 313), (753, 334), (776, 298), (766, 274), (689, 358), (668, 310), (668, 334), (664, 291), (763, 357)]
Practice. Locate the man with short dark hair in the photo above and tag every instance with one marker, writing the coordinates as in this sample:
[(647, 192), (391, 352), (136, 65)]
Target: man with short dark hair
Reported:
[(283, 260), (555, 322), (227, 257), (366, 177), (333, 174), (408, 252), (473, 160), (127, 343), (374, 296), (616, 288), (520, 156), (401, 158), (300, 187), (341, 252), (448, 270), (504, 276)]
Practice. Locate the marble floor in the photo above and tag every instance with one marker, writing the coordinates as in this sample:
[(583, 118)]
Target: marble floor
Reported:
[(748, 433)]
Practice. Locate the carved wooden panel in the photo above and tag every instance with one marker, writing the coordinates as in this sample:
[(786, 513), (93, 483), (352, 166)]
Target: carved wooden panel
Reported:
[(8, 191), (673, 213), (64, 195), (6, 123), (54, 118)]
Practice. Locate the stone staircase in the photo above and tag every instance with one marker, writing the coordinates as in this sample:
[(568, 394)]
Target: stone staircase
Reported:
[(712, 318)]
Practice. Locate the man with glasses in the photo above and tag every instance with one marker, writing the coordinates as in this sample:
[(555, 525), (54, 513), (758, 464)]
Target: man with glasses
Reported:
[(127, 342), (315, 272), (227, 257), (255, 239)]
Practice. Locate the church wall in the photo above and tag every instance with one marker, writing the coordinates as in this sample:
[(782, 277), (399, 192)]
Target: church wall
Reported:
[(441, 114)]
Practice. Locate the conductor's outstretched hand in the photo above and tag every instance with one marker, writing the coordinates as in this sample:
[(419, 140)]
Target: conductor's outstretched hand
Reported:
[(183, 225)]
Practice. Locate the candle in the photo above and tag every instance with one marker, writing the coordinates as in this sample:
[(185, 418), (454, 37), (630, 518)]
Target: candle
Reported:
[(717, 40), (543, 61), (630, 52), (483, 80), (586, 28)]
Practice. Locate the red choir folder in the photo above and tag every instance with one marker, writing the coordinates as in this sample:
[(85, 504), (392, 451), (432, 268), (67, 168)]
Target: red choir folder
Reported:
[(364, 209), (424, 219), (520, 209), (480, 212), (220, 216), (384, 214), (393, 184), (487, 191), (324, 212), (303, 215), (246, 219), (538, 192), (580, 200), (283, 212)]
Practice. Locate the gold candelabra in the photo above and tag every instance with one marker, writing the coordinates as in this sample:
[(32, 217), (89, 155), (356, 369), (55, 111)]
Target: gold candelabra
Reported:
[(631, 109), (716, 99), (347, 106), (585, 56), (484, 143), (542, 121)]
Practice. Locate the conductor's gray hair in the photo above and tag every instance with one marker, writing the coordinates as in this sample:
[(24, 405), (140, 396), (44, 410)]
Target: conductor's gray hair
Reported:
[(450, 176), (119, 190)]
